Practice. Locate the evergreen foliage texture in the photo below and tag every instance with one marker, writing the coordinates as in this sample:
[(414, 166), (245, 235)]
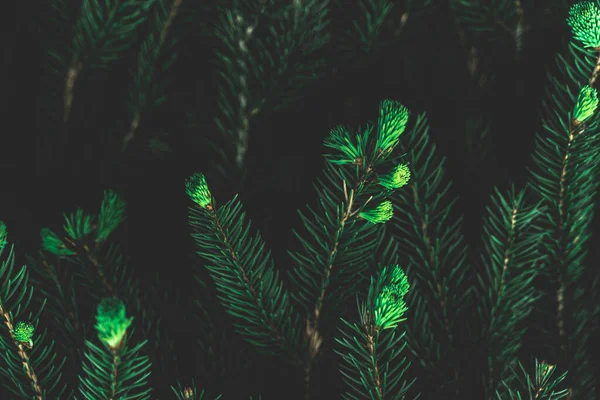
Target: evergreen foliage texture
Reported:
[(389, 286)]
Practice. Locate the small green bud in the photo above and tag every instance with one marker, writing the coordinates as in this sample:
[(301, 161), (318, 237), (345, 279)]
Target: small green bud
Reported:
[(587, 102), (393, 117), (3, 235), (23, 332), (380, 214), (197, 189), (111, 323), (398, 178), (389, 305), (52, 244), (584, 20)]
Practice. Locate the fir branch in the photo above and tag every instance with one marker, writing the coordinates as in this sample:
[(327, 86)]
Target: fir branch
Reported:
[(115, 370), (265, 65), (436, 250), (57, 283), (504, 288), (564, 175), (31, 367), (147, 91), (248, 285), (371, 367), (342, 235), (103, 33)]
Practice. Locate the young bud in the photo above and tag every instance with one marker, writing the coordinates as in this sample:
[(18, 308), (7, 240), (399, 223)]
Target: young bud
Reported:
[(111, 323), (53, 244), (389, 305), (393, 117), (197, 189), (584, 20), (380, 214), (23, 332), (586, 104), (397, 178)]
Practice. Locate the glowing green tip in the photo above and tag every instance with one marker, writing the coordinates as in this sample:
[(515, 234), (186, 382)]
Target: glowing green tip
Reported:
[(380, 214), (398, 178), (584, 20), (3, 235), (52, 244), (112, 213), (393, 117), (23, 332), (111, 323), (587, 103), (78, 225), (389, 305), (197, 189)]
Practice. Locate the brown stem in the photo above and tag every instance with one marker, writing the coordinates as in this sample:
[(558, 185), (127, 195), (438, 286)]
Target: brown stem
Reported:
[(513, 222), (135, 123), (115, 371), (75, 68), (560, 294), (595, 71), (374, 366)]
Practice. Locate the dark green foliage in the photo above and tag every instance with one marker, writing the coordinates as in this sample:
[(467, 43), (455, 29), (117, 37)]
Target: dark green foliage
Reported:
[(431, 239), (27, 370), (270, 51), (120, 373), (506, 296), (565, 175), (337, 247), (248, 285), (371, 365), (105, 30), (156, 56)]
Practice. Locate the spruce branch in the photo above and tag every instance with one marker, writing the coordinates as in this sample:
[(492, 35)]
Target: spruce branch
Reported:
[(248, 286), (370, 366), (115, 370), (102, 34), (31, 369), (156, 55), (565, 177), (511, 260), (262, 65), (436, 251), (85, 234), (342, 234)]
